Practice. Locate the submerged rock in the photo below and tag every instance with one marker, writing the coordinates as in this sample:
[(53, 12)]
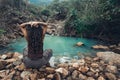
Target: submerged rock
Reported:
[(79, 44)]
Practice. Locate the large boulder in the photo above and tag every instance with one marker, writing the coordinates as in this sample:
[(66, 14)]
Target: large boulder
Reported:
[(109, 57)]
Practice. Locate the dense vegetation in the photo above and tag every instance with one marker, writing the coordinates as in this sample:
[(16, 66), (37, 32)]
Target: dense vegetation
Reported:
[(89, 18)]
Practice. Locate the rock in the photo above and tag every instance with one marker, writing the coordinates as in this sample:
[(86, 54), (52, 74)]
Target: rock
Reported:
[(110, 76), (96, 75), (42, 79), (96, 58), (10, 60), (100, 47), (63, 71), (82, 77), (4, 57), (63, 65), (90, 78), (112, 69), (16, 55), (50, 76), (90, 74), (57, 76), (81, 62), (25, 74), (79, 44), (3, 73), (101, 78), (75, 74), (10, 76), (94, 65), (9, 55), (17, 62), (91, 69), (69, 78), (110, 57), (83, 69), (33, 76), (17, 77), (22, 67), (50, 70), (116, 50), (9, 66), (71, 69), (75, 65), (3, 64), (88, 58)]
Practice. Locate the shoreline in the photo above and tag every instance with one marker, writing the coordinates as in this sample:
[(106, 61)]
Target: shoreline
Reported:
[(87, 68)]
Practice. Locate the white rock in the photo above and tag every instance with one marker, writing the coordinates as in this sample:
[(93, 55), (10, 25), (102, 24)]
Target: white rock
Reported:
[(3, 57), (25, 74), (80, 44), (52, 61)]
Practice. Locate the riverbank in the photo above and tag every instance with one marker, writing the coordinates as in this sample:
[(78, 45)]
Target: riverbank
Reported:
[(104, 66)]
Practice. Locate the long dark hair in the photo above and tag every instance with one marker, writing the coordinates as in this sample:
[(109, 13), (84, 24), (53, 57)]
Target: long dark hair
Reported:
[(35, 43)]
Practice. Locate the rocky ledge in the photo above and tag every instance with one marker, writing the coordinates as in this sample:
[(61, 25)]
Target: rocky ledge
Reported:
[(88, 68)]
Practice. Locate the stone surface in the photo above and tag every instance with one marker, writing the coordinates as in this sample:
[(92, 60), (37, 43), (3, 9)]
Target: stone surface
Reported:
[(101, 78), (109, 57), (57, 76), (50, 76), (90, 68), (110, 76), (63, 71), (50, 70), (83, 69), (81, 62), (112, 69), (75, 74), (82, 77), (100, 47), (4, 57), (75, 65), (94, 65), (25, 74), (90, 74), (33, 76), (79, 44), (90, 78), (16, 55)]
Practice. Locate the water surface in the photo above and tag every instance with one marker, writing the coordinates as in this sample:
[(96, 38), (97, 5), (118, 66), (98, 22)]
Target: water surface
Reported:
[(61, 46)]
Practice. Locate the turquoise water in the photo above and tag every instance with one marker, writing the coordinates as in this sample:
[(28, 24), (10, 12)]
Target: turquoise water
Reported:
[(61, 46)]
